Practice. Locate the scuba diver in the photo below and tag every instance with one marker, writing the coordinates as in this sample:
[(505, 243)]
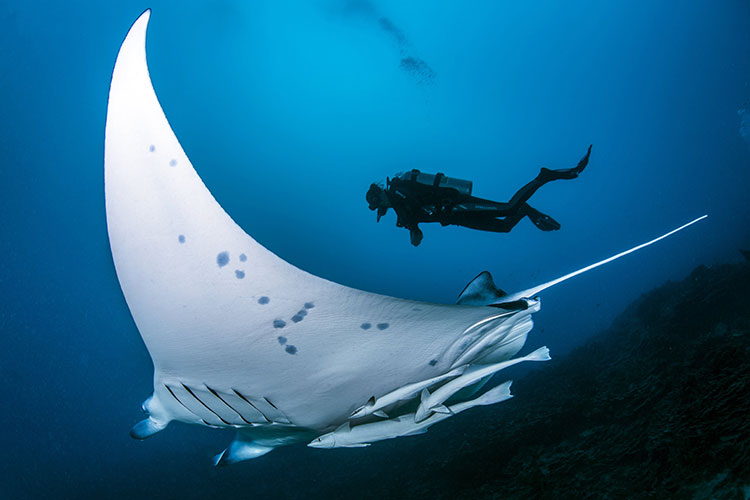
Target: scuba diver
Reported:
[(420, 197)]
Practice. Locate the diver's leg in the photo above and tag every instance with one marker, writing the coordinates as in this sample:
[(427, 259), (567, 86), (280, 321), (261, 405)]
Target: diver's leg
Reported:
[(487, 222), (474, 205), (491, 223), (479, 213), (546, 175)]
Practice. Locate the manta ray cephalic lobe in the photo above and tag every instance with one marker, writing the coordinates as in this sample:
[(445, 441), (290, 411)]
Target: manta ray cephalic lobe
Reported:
[(240, 338)]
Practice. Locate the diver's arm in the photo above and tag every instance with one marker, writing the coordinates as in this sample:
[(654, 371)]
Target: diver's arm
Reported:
[(381, 212), (406, 217)]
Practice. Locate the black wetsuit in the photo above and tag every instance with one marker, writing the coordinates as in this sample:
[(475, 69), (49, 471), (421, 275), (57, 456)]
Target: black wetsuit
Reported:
[(416, 202)]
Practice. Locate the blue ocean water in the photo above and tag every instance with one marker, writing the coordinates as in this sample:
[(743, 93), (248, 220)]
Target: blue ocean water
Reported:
[(289, 111)]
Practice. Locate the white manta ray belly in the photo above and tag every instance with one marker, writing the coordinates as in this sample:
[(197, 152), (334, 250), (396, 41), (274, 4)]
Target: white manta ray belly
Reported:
[(222, 315), (239, 337)]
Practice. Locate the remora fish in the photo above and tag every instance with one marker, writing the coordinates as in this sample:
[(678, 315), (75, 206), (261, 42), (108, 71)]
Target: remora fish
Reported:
[(241, 339), (405, 393), (434, 402), (405, 425)]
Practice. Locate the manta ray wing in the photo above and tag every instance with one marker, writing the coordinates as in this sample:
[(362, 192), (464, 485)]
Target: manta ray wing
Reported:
[(235, 332)]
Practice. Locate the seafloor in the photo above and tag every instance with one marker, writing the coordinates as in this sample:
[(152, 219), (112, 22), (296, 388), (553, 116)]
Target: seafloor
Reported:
[(657, 406)]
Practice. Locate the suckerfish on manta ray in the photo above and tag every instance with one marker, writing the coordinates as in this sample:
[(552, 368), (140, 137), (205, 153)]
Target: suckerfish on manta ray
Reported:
[(433, 403), (242, 339), (405, 425)]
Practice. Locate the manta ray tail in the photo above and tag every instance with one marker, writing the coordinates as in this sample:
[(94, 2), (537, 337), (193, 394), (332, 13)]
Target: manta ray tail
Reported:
[(531, 292)]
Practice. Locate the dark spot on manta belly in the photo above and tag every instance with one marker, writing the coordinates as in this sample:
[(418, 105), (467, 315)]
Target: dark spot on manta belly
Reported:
[(222, 259), (240, 274), (282, 340), (433, 362), (264, 300), (365, 326), (302, 313), (243, 257), (291, 349), (382, 326), (297, 318), (181, 238), (152, 148), (173, 163), (309, 305), (279, 323)]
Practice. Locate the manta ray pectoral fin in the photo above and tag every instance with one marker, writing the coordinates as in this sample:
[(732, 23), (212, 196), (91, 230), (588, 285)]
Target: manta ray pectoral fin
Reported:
[(147, 428), (380, 413), (480, 291), (416, 432), (240, 450)]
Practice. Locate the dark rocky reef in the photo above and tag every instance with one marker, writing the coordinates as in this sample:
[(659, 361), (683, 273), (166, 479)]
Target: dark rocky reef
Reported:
[(658, 406)]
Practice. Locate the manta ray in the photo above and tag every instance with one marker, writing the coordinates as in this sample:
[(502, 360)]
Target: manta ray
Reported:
[(242, 339)]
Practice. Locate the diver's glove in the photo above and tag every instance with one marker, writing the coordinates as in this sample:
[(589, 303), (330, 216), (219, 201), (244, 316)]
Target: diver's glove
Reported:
[(416, 236)]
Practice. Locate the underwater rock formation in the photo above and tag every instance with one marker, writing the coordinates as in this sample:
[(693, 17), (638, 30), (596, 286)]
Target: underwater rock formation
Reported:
[(655, 407), (744, 114)]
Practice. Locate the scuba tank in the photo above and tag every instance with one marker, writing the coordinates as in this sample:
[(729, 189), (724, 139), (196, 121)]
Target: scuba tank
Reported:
[(437, 180)]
